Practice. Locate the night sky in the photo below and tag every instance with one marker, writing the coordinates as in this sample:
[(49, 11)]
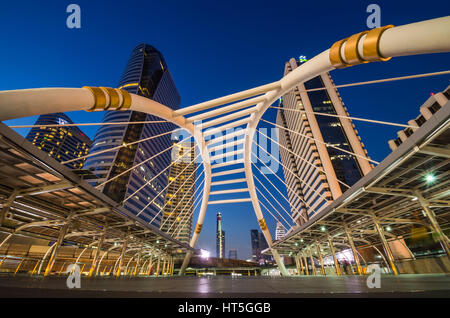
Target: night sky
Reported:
[(214, 48)]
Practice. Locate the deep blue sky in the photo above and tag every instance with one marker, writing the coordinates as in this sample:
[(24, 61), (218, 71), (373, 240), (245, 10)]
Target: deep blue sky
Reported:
[(214, 48)]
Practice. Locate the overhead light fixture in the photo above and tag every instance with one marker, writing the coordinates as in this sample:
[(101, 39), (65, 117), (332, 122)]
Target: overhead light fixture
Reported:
[(430, 178)]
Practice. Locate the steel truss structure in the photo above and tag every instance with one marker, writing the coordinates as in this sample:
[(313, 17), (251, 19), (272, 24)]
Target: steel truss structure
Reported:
[(52, 203), (208, 121)]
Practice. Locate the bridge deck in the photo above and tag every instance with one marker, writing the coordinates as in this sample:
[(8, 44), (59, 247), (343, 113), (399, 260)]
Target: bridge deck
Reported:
[(225, 286)]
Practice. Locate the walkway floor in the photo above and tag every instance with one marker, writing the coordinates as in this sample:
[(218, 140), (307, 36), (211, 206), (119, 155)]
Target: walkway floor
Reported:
[(227, 286)]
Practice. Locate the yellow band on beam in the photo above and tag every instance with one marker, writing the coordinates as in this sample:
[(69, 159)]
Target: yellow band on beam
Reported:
[(198, 228), (371, 48), (352, 55), (262, 224), (335, 54), (126, 103), (371, 45), (114, 100), (99, 98)]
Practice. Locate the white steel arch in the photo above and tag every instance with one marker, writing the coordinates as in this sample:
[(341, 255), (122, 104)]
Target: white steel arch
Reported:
[(243, 108)]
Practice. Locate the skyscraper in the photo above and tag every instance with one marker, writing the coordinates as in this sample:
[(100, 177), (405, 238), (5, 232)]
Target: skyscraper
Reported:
[(316, 174), (177, 213), (61, 143), (146, 74), (259, 244), (280, 231), (254, 237), (232, 253), (220, 238)]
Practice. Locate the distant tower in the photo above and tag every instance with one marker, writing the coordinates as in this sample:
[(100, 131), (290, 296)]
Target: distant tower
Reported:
[(220, 238), (280, 231), (255, 244), (63, 142), (259, 244), (316, 174), (232, 254)]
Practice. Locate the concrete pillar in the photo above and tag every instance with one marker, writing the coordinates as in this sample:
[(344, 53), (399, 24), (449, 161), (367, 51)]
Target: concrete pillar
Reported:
[(186, 261), (336, 263), (386, 247), (434, 223), (319, 253), (279, 262), (352, 246)]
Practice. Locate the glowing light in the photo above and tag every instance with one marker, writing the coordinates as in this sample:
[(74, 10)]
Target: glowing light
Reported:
[(388, 228), (430, 178), (323, 228), (204, 253)]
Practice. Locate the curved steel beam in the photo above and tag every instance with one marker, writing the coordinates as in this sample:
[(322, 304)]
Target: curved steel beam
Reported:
[(381, 44)]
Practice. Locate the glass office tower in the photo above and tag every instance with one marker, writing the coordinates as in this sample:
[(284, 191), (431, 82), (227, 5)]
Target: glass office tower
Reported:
[(146, 74), (259, 244), (62, 143), (179, 203), (316, 174)]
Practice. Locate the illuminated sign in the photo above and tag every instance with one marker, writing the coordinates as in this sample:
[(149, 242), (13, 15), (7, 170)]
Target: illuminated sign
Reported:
[(302, 58)]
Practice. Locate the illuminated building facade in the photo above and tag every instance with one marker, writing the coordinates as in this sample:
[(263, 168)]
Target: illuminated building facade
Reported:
[(61, 143), (220, 238), (316, 174), (146, 74), (280, 231), (179, 203)]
